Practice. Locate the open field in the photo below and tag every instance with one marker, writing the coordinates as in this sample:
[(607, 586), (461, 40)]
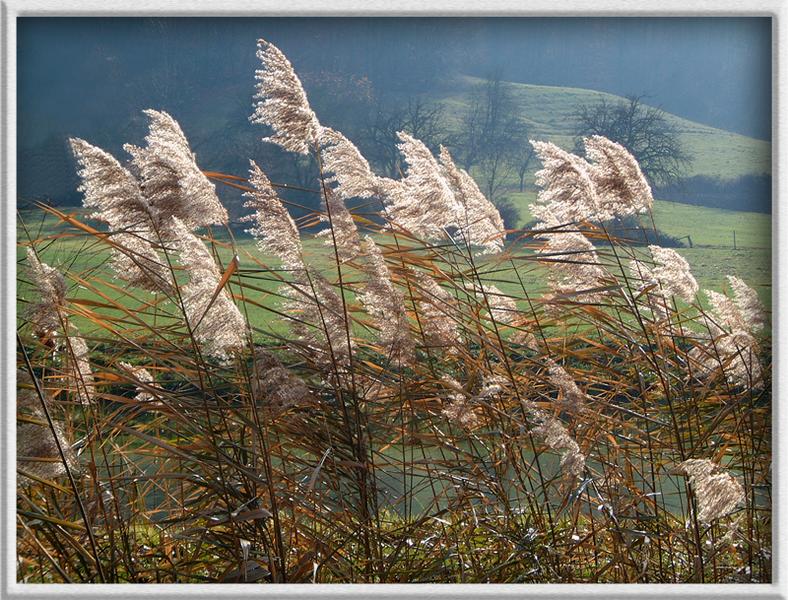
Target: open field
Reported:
[(712, 257), (707, 226)]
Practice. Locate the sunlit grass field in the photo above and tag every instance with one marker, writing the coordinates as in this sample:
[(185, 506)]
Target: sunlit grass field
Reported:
[(712, 256)]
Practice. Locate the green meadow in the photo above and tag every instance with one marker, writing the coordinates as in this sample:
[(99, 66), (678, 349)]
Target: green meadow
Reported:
[(712, 257)]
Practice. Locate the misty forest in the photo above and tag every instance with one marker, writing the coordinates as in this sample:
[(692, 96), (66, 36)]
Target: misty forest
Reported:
[(322, 300)]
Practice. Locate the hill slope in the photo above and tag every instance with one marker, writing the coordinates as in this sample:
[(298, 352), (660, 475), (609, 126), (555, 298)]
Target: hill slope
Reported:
[(549, 112), (225, 140)]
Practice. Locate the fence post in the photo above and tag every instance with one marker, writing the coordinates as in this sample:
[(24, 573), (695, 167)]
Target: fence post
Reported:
[(734, 239)]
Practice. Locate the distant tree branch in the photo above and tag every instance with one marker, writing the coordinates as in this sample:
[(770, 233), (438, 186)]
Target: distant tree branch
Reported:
[(643, 130)]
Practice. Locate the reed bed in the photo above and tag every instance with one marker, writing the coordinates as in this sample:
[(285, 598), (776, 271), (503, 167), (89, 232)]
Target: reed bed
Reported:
[(421, 412)]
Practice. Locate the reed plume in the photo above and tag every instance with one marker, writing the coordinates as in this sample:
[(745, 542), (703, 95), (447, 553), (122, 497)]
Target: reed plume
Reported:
[(36, 443), (438, 307), (319, 319), (110, 190), (49, 288), (556, 437), (213, 318), (274, 228), (422, 202), (117, 200), (479, 221), (571, 397), (282, 103), (79, 372), (608, 184), (274, 386), (751, 312), (319, 312), (141, 378), (621, 188), (170, 179), (672, 273), (725, 313), (737, 354), (342, 234), (503, 308), (50, 322), (386, 304), (458, 408), (567, 193), (346, 167), (574, 265), (732, 347), (717, 493)]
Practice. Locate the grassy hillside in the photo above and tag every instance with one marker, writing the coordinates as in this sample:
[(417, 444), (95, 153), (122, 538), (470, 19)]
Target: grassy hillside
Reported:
[(549, 111)]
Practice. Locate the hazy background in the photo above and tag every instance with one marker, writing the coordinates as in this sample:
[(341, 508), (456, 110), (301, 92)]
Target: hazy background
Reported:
[(91, 77)]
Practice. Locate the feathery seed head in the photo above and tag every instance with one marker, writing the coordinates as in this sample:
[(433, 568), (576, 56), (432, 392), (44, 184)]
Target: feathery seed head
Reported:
[(114, 194), (320, 319), (216, 323), (478, 219), (717, 492), (50, 292), (752, 311), (620, 185), (282, 103), (274, 386), (274, 228), (725, 313), (79, 372), (342, 233), (110, 189), (574, 264), (139, 375), (672, 272), (571, 396), (437, 307), (503, 308), (568, 194), (459, 409), (350, 171), (36, 445), (171, 181), (422, 202), (556, 437), (732, 347), (386, 304)]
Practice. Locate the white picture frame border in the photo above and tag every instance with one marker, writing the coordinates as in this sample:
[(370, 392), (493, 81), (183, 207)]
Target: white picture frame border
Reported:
[(10, 10)]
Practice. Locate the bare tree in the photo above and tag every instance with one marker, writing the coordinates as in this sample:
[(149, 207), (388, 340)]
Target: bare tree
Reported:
[(643, 130), (419, 118), (491, 135), (523, 161)]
